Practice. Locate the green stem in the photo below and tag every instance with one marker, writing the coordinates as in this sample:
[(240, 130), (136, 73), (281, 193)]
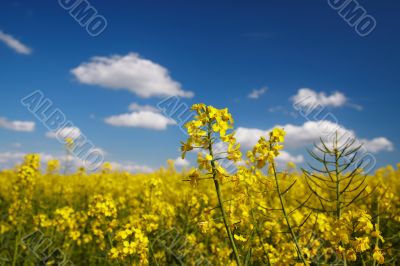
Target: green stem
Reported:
[(15, 256), (299, 253), (378, 222), (338, 204), (219, 196), (338, 207), (257, 229)]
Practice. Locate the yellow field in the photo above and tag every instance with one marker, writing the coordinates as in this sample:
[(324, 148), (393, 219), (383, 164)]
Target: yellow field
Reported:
[(256, 215)]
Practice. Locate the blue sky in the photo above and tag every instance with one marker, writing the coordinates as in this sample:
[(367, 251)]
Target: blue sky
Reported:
[(220, 51)]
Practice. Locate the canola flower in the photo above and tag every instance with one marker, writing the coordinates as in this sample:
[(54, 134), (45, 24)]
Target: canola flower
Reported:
[(211, 125), (264, 153), (118, 218)]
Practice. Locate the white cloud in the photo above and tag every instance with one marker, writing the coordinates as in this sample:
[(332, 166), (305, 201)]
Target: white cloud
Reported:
[(141, 119), (309, 133), (138, 107), (296, 136), (72, 161), (285, 157), (130, 72), (10, 159), (131, 167), (256, 93), (282, 160), (181, 162), (378, 144), (311, 99), (24, 126), (66, 132), (248, 137), (14, 44)]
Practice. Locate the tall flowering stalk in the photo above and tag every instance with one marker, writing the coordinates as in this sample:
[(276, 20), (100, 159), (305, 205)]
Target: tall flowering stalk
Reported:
[(209, 126), (22, 194), (264, 154)]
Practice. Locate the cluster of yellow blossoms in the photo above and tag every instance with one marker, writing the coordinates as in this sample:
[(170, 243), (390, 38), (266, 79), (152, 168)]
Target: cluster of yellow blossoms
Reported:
[(266, 150), (114, 217), (131, 241), (22, 190), (209, 124)]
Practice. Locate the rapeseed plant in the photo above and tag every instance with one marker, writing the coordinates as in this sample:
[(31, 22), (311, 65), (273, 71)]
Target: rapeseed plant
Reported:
[(209, 126), (259, 214)]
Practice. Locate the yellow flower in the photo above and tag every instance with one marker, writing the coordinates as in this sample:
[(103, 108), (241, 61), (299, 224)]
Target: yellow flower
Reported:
[(69, 143), (351, 255), (378, 256), (194, 178), (114, 253), (240, 238), (185, 148), (377, 233), (361, 244), (266, 150)]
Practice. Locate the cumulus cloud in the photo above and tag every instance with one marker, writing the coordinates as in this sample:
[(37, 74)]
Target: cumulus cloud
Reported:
[(23, 126), (141, 119), (248, 137), (256, 93), (181, 162), (131, 167), (285, 157), (9, 159), (378, 144), (309, 133), (312, 131), (138, 107), (14, 44), (66, 132), (130, 72), (296, 136), (311, 99)]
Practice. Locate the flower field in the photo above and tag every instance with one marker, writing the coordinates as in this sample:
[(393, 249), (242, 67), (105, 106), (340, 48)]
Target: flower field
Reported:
[(330, 213)]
